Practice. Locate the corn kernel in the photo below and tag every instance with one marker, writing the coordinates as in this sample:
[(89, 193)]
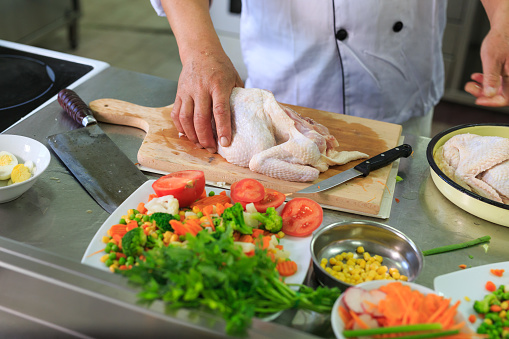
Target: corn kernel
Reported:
[(504, 305), (349, 255), (332, 261), (196, 209), (403, 278), (396, 275), (488, 321), (382, 270), (106, 239), (323, 261), (366, 255), (360, 250), (350, 262), (336, 268), (378, 258), (280, 234), (105, 257), (467, 298), (174, 237), (502, 314)]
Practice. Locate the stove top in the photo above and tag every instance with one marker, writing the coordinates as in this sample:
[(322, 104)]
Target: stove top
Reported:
[(31, 77)]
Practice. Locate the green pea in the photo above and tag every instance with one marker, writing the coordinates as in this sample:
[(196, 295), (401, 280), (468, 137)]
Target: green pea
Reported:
[(121, 261), (136, 211), (212, 193), (130, 260), (145, 218), (108, 262), (115, 248), (113, 255), (199, 214), (131, 216), (122, 221)]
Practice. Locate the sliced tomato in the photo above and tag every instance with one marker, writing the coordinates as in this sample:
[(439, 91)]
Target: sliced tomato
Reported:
[(247, 190), (272, 198), (185, 186), (301, 216)]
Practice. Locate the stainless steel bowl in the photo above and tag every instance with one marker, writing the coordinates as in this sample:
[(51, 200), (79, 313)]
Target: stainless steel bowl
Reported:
[(398, 251), (469, 201)]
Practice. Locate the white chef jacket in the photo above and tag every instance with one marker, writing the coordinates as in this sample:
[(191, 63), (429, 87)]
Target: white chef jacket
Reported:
[(377, 59)]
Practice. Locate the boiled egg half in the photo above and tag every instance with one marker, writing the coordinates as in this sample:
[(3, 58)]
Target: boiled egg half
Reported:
[(7, 163)]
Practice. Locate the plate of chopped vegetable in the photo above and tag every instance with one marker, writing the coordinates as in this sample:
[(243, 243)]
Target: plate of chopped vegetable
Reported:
[(292, 253), (472, 286), (397, 308)]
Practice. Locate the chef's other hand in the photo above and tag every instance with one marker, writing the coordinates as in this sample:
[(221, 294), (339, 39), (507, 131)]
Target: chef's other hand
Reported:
[(203, 93), (491, 88)]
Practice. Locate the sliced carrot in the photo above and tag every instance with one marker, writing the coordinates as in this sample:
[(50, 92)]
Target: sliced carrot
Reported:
[(152, 196), (358, 320), (220, 208), (141, 208), (287, 268), (121, 255), (490, 286), (213, 200), (344, 314), (263, 243), (495, 308), (119, 229), (193, 226)]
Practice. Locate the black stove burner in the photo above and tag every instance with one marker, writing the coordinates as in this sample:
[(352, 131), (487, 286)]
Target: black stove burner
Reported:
[(28, 80)]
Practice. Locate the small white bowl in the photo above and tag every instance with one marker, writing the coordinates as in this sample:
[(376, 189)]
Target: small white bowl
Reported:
[(25, 149), (337, 323)]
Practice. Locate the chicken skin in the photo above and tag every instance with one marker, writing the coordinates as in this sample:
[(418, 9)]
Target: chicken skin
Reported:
[(276, 141), (478, 163)]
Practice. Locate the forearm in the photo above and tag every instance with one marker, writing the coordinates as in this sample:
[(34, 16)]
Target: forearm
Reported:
[(192, 26), (497, 12)]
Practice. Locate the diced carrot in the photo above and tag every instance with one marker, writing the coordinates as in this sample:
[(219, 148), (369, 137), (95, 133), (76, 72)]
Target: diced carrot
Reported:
[(122, 267), (211, 222), (263, 243), (131, 225), (152, 196), (495, 308), (250, 253), (193, 226), (228, 205), (472, 318), (121, 255), (208, 210), (203, 194), (497, 272), (118, 240), (220, 208), (213, 200), (246, 238), (280, 247), (141, 208), (119, 229), (257, 232), (222, 193), (490, 286), (462, 266), (287, 268), (272, 256)]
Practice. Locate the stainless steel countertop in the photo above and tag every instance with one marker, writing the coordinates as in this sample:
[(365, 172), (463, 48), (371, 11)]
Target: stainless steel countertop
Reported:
[(52, 224)]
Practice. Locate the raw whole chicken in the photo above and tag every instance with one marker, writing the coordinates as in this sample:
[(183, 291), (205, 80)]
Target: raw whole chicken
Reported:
[(477, 163), (274, 140)]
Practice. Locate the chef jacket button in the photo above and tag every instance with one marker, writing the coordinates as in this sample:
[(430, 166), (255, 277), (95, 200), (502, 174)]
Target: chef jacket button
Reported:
[(398, 26), (342, 34)]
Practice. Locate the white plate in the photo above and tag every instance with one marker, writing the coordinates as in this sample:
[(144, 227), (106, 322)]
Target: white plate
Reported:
[(470, 283), (298, 247)]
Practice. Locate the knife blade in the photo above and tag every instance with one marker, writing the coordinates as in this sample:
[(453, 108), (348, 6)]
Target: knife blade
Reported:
[(94, 159), (364, 168)]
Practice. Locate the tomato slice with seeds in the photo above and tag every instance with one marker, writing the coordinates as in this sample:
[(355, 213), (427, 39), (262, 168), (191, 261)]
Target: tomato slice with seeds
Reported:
[(185, 186), (272, 198), (247, 190), (301, 216)]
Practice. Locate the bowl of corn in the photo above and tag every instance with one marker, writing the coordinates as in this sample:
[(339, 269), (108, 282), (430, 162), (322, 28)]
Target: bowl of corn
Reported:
[(348, 253)]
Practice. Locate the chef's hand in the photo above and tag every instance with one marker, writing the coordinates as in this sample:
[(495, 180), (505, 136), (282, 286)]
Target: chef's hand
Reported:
[(207, 78), (203, 93), (491, 88)]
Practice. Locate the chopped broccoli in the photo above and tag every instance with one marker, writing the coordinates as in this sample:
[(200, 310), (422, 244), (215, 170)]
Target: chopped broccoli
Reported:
[(234, 217), (154, 242), (270, 220), (133, 242), (483, 306), (163, 220)]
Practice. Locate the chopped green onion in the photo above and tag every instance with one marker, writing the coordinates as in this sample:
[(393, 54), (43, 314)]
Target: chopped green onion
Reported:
[(454, 247), (391, 329)]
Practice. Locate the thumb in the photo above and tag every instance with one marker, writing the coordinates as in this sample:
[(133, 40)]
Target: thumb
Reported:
[(492, 69)]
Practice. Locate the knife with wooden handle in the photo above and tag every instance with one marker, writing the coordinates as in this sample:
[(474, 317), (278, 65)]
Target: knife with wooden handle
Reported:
[(107, 174)]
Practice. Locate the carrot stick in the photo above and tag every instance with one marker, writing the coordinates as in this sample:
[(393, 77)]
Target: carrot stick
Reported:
[(358, 320), (96, 252), (344, 314)]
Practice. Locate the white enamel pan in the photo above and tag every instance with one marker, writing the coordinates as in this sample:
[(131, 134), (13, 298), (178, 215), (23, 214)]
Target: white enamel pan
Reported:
[(471, 202)]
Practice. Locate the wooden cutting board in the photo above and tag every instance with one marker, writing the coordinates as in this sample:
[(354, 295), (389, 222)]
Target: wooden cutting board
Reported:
[(163, 150)]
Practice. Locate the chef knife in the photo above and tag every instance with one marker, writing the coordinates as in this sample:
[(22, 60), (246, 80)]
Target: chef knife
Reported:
[(364, 168), (93, 158)]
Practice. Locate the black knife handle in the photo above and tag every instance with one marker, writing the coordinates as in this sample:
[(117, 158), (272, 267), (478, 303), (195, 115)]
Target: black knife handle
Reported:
[(75, 107), (384, 159)]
